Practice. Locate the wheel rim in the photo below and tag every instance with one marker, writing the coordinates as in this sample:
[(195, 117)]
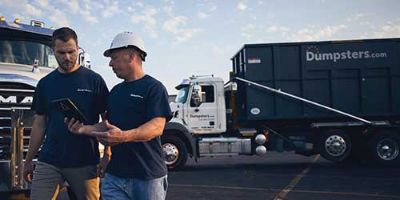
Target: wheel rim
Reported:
[(335, 145), (387, 149), (171, 152)]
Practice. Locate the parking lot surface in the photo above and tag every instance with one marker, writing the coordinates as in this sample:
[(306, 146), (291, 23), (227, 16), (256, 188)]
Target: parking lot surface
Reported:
[(282, 176)]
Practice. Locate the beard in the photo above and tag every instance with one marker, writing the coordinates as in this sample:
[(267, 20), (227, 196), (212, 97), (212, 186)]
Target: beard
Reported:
[(66, 65)]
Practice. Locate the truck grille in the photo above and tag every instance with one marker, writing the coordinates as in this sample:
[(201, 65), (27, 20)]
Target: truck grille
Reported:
[(12, 95)]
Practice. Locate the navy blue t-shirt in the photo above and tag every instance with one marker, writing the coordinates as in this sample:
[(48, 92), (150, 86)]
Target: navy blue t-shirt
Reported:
[(131, 104), (89, 92)]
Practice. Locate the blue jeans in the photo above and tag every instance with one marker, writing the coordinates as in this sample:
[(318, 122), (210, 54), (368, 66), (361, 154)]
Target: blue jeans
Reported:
[(113, 187)]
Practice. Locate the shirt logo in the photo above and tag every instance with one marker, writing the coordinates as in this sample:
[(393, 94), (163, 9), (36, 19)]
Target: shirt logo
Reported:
[(83, 90), (137, 96)]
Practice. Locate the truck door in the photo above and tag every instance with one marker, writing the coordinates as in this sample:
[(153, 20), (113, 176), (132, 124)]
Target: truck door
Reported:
[(202, 111)]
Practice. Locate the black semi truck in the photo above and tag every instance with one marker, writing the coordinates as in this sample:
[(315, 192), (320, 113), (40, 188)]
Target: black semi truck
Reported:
[(339, 99)]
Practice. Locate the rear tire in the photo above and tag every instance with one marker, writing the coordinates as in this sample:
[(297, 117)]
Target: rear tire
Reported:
[(384, 148), (334, 145), (175, 152)]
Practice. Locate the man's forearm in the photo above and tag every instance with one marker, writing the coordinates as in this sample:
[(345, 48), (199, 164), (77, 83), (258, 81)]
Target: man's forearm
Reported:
[(147, 131), (35, 142)]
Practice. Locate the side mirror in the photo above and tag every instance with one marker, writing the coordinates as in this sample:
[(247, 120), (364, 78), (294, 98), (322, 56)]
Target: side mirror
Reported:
[(84, 58)]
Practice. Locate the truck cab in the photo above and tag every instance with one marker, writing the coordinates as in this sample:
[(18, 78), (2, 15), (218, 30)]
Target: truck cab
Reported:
[(200, 105), (199, 127)]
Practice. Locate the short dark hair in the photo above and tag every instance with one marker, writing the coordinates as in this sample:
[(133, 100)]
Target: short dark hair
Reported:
[(64, 34)]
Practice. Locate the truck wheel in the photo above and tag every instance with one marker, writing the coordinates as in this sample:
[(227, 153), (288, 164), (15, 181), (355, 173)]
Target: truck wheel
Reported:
[(175, 151), (334, 145), (384, 148)]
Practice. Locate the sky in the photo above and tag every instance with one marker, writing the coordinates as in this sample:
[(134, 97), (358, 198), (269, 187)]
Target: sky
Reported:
[(199, 37)]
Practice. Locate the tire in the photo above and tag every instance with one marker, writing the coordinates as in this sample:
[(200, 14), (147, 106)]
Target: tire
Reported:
[(334, 145), (175, 151), (384, 148), (358, 149)]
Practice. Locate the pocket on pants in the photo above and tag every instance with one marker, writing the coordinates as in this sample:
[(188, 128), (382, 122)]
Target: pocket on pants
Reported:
[(165, 182)]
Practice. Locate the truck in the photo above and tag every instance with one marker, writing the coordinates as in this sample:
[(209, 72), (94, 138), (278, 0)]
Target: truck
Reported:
[(26, 56), (338, 99)]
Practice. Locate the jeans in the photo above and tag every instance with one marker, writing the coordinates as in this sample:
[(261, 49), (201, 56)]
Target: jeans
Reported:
[(113, 187)]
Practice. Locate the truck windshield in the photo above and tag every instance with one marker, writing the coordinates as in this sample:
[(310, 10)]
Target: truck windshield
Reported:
[(181, 97), (26, 53)]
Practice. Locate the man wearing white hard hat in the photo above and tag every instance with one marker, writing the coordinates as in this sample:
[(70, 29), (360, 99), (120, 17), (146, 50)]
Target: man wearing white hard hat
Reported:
[(137, 112)]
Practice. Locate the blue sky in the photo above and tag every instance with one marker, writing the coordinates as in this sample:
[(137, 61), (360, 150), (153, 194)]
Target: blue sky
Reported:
[(185, 38)]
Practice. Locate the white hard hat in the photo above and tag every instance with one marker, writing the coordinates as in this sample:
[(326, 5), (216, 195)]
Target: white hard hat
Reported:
[(125, 40)]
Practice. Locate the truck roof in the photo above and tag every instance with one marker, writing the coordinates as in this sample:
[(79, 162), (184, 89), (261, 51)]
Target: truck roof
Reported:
[(206, 79), (186, 82), (26, 28)]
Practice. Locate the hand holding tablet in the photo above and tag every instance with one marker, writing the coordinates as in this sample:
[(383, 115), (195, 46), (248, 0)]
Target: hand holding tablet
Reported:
[(69, 109)]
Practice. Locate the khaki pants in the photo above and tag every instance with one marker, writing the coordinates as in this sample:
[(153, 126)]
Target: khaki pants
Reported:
[(48, 179)]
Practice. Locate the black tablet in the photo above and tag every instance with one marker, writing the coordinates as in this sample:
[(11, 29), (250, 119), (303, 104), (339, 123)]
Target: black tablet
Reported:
[(69, 109)]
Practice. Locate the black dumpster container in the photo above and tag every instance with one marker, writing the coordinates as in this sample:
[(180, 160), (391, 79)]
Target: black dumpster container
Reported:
[(361, 77)]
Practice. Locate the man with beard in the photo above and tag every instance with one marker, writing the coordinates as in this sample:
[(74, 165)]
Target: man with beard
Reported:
[(65, 156)]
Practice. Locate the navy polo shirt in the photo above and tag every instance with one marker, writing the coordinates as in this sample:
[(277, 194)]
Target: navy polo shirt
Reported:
[(89, 92), (131, 104)]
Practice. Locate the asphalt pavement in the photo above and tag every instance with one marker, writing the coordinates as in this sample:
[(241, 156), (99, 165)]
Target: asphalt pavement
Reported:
[(282, 176)]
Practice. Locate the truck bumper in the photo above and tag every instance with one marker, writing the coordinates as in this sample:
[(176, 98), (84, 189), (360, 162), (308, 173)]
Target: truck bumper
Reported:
[(5, 179)]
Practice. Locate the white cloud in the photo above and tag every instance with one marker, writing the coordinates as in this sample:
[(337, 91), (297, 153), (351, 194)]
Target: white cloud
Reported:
[(88, 17), (111, 10), (387, 30), (275, 28), (59, 18), (139, 4), (168, 9), (317, 33), (86, 13), (173, 24), (186, 34), (72, 5), (176, 26), (206, 9), (213, 8), (148, 20), (202, 15), (241, 6), (248, 31), (36, 9), (33, 11), (43, 3)]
